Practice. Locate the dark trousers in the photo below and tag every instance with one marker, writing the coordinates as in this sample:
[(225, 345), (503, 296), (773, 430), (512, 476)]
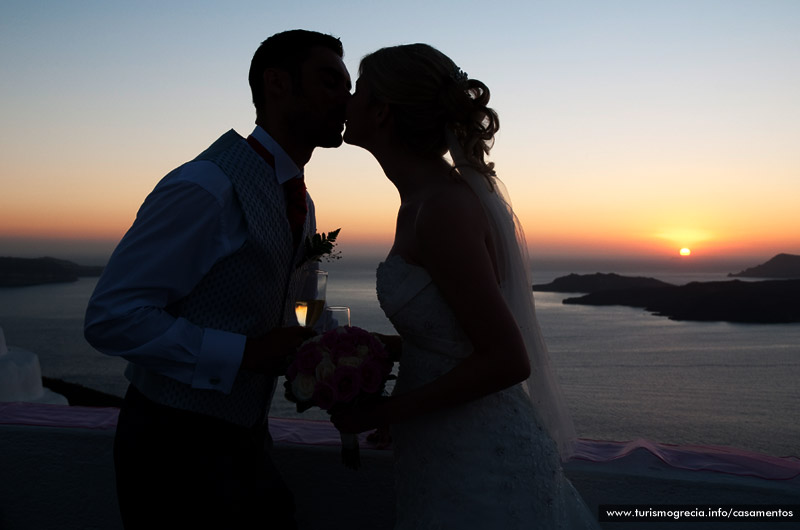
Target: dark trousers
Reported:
[(178, 469)]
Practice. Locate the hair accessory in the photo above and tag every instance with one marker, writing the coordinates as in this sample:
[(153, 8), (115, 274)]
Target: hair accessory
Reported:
[(459, 76)]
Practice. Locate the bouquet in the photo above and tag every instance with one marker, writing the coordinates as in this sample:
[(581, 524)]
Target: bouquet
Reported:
[(339, 368)]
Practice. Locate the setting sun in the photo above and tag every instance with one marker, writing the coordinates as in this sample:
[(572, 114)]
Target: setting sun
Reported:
[(685, 252)]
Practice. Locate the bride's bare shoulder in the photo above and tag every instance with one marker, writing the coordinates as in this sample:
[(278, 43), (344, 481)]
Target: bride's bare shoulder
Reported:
[(452, 211), (453, 203)]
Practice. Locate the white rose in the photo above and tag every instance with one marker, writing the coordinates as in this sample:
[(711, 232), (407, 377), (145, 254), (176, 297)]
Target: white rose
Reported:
[(325, 368), (355, 362), (303, 386)]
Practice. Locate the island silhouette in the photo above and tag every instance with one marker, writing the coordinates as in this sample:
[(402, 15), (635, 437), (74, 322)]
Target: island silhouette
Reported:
[(780, 266), (24, 272), (762, 302)]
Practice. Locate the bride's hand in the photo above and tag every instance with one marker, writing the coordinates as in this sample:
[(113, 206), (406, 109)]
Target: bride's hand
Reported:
[(381, 437), (360, 418), (393, 345)]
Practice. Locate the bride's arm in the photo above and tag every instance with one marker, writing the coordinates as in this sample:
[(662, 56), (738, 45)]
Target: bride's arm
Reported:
[(393, 345), (452, 241)]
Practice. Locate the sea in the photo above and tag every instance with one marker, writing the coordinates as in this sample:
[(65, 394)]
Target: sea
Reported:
[(626, 374)]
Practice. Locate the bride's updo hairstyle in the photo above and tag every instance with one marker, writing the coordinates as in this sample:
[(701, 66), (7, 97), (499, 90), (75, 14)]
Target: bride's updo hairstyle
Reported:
[(428, 95)]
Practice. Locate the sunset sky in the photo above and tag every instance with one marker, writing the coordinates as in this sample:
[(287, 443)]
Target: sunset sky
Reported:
[(629, 128)]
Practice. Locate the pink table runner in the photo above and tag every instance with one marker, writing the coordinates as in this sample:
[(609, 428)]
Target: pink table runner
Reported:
[(315, 432)]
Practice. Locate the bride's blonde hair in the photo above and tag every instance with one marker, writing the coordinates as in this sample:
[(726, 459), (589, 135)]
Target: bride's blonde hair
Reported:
[(430, 95)]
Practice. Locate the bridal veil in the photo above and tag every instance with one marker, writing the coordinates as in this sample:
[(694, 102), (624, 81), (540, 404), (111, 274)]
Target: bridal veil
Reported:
[(512, 258)]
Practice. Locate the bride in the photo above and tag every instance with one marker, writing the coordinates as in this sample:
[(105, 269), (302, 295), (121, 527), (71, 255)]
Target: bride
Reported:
[(478, 423)]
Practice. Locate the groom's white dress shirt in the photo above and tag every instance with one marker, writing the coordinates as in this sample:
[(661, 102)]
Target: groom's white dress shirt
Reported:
[(189, 222)]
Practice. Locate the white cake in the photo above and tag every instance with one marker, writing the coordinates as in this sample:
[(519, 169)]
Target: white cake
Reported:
[(21, 377)]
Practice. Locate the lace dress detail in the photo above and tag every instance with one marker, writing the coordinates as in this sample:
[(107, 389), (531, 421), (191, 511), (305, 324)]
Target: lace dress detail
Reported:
[(486, 464)]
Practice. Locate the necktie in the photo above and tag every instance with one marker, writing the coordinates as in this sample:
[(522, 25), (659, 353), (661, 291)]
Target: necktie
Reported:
[(296, 208), (295, 191)]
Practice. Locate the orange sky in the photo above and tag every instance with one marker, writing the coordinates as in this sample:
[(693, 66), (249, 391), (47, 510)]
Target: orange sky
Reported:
[(626, 130), (604, 217)]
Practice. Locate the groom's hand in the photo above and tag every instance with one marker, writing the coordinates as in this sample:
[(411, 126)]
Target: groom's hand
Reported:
[(268, 353)]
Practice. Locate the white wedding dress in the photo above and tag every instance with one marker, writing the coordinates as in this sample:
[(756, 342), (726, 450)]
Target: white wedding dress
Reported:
[(488, 464)]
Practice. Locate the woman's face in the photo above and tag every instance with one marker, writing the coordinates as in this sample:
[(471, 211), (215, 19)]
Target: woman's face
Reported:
[(360, 122)]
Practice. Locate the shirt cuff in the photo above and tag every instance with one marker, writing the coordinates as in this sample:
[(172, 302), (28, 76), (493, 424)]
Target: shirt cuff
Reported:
[(220, 358)]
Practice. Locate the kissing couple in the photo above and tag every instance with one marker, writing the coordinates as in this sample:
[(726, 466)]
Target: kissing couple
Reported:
[(198, 298)]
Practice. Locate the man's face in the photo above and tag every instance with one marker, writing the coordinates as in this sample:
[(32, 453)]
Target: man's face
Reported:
[(317, 112)]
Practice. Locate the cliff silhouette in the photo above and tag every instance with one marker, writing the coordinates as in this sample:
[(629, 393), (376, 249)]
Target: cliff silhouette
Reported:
[(23, 272), (590, 283), (780, 266), (762, 302)]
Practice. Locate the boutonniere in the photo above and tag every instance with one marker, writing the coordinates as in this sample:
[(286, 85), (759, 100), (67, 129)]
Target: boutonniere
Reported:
[(321, 246)]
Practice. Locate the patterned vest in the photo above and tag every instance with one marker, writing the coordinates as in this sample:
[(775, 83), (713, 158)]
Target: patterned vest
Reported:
[(249, 292)]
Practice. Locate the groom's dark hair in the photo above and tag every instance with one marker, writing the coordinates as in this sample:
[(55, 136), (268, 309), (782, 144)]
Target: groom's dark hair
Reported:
[(287, 51)]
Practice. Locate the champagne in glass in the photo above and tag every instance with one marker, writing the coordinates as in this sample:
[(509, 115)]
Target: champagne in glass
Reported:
[(312, 310), (311, 304)]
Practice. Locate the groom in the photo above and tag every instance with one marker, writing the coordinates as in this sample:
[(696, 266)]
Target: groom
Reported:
[(197, 297)]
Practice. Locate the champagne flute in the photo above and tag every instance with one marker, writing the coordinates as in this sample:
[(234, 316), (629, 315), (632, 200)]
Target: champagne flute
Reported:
[(308, 307), (336, 316)]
